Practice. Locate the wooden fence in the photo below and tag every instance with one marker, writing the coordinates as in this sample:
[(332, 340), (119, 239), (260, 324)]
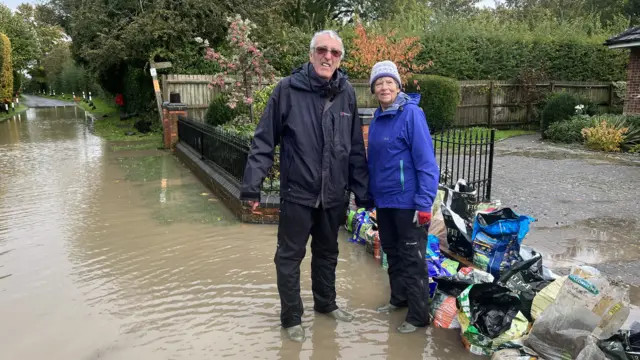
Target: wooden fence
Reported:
[(483, 102)]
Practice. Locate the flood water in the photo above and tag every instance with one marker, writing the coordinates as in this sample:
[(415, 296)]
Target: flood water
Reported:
[(116, 254)]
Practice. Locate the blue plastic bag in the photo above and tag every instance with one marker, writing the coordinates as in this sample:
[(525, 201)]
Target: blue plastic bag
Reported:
[(434, 258), (497, 237)]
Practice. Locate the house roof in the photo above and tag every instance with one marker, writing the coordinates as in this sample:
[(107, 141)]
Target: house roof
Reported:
[(629, 38)]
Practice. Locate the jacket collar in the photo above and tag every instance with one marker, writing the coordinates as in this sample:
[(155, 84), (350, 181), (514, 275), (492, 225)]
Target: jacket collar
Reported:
[(401, 100)]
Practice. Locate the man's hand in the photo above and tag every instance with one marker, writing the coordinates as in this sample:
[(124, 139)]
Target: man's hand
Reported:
[(254, 206), (421, 218)]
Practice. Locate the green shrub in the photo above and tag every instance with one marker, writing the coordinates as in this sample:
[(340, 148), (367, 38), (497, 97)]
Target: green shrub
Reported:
[(440, 97), (138, 91), (629, 122), (570, 130), (219, 113), (260, 100), (562, 106)]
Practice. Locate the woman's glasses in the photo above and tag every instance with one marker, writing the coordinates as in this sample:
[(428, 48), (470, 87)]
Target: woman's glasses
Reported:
[(322, 50)]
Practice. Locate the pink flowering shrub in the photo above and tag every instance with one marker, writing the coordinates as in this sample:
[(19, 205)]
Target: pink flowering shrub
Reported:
[(245, 64)]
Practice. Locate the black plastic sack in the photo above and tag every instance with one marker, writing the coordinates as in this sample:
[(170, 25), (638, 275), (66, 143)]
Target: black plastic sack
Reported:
[(625, 345), (493, 308), (458, 233), (462, 200), (451, 287), (526, 279)]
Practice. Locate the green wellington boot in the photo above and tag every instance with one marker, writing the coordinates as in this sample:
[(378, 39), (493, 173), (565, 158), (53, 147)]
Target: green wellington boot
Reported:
[(341, 315), (406, 328), (387, 308), (296, 333)]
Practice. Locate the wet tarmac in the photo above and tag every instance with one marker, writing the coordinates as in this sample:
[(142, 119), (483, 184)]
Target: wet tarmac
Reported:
[(44, 102), (124, 255)]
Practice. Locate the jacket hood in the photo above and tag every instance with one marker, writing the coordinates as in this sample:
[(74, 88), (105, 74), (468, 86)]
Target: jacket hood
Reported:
[(306, 78), (402, 100)]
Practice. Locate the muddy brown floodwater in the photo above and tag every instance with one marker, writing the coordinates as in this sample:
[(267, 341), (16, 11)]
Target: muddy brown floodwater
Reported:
[(108, 253)]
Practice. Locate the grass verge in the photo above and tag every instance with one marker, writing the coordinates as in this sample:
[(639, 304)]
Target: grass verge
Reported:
[(109, 126), (5, 116)]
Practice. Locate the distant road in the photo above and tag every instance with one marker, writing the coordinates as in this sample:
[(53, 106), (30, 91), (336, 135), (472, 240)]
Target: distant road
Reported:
[(37, 101)]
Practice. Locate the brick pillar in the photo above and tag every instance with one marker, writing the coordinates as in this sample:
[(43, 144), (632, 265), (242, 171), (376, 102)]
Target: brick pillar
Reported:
[(170, 113), (632, 102)]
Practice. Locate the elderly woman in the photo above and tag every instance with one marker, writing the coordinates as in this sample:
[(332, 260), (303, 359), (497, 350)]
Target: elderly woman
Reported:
[(403, 182)]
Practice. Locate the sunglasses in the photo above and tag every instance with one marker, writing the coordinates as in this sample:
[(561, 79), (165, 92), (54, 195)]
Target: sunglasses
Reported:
[(322, 50)]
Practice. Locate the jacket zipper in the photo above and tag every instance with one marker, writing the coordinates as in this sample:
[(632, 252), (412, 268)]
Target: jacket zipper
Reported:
[(402, 174)]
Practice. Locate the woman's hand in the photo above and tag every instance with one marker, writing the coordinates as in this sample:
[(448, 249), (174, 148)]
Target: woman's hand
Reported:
[(421, 218)]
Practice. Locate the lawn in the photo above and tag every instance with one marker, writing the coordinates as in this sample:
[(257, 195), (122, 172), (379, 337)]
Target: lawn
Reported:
[(505, 134), (5, 116), (476, 135)]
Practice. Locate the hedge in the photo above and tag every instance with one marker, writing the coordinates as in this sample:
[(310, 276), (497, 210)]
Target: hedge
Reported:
[(440, 97), (488, 56), (6, 69)]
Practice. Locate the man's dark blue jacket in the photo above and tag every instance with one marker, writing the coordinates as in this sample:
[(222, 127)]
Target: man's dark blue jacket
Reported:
[(322, 151)]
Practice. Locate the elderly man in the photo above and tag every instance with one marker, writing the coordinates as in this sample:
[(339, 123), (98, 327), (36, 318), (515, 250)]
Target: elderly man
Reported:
[(313, 115)]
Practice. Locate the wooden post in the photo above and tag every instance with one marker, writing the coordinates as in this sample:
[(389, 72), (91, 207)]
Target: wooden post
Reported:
[(156, 84), (490, 119), (611, 89), (156, 88)]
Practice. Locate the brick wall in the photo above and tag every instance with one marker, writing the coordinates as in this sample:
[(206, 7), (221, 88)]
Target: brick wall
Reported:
[(632, 102)]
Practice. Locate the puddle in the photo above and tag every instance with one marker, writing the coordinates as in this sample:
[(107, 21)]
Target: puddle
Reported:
[(606, 242)]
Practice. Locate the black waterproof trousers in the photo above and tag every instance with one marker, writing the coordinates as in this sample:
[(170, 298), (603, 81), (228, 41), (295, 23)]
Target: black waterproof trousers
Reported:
[(296, 223), (405, 246)]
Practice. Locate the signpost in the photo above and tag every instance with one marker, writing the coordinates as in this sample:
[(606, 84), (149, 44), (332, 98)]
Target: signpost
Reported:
[(156, 84)]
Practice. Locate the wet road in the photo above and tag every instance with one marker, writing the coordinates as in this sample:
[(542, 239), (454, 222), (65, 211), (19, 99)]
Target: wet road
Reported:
[(123, 255), (43, 102)]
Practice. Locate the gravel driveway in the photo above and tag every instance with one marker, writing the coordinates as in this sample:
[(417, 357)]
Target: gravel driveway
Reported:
[(587, 204)]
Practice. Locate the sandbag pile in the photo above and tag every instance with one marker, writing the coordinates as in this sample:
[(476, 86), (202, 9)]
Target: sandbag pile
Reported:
[(499, 296)]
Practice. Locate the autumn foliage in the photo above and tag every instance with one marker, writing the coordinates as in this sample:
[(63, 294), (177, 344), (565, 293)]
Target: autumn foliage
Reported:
[(6, 69), (368, 49)]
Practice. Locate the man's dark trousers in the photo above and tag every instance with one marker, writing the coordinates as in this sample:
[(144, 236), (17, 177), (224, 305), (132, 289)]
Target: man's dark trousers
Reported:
[(296, 223)]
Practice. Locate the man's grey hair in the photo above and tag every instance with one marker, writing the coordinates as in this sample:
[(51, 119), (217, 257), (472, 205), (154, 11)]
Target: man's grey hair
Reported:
[(331, 34)]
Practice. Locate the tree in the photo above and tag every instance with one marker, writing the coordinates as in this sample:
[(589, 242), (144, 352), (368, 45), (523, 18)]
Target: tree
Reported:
[(454, 7), (245, 64), (6, 69), (54, 61), (369, 48), (42, 22), (24, 41)]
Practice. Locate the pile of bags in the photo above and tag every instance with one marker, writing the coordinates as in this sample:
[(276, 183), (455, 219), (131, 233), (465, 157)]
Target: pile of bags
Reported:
[(504, 302)]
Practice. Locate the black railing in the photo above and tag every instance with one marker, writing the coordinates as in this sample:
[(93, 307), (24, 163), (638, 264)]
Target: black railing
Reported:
[(227, 150), (466, 154), (461, 153)]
